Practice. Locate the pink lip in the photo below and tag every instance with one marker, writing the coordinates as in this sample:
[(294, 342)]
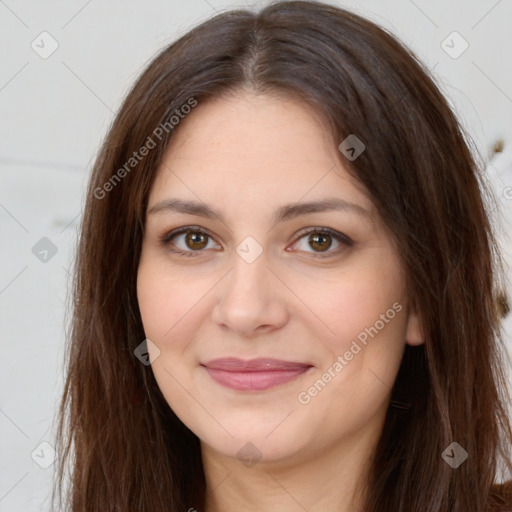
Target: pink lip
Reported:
[(253, 374)]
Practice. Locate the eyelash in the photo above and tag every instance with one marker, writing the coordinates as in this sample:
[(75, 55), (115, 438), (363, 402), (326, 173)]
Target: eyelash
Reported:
[(344, 240)]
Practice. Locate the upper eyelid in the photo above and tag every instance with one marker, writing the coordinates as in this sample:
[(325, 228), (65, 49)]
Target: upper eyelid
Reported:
[(341, 237), (186, 229)]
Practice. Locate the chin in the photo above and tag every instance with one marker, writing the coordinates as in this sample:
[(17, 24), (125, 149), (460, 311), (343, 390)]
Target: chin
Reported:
[(252, 450)]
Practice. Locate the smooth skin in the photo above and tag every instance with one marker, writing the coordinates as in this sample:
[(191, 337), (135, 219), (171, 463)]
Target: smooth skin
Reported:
[(303, 299)]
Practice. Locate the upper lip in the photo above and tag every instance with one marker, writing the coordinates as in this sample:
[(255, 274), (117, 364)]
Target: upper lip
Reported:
[(232, 364)]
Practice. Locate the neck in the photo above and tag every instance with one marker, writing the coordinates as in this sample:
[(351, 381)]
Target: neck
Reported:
[(328, 481)]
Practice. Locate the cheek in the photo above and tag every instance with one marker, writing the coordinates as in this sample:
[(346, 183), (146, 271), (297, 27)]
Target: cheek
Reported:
[(360, 304), (364, 345), (369, 345), (166, 301)]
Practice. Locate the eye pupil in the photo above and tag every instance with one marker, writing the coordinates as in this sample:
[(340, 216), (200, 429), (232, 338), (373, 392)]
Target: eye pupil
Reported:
[(193, 239), (318, 239)]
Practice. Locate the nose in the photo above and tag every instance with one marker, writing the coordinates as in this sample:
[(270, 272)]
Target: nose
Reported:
[(250, 300)]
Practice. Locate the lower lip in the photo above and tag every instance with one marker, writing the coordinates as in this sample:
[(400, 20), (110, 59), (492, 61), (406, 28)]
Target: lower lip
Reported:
[(255, 380)]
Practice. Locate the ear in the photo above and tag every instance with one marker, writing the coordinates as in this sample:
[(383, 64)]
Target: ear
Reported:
[(414, 334)]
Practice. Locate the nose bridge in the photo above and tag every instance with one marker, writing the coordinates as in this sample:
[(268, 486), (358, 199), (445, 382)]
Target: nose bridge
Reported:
[(248, 282), (248, 299)]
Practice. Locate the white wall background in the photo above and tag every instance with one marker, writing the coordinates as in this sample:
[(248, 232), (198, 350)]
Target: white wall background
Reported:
[(55, 111)]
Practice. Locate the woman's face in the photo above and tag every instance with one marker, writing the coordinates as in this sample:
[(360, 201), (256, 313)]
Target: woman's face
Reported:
[(269, 342)]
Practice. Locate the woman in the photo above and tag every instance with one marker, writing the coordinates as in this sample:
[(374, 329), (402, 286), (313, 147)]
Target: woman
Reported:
[(285, 284)]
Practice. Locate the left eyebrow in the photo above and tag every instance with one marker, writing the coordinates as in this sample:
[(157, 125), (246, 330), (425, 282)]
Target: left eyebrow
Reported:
[(283, 213), (291, 211)]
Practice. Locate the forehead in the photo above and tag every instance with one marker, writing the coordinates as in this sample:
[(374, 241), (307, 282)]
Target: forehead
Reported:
[(255, 148), (249, 125)]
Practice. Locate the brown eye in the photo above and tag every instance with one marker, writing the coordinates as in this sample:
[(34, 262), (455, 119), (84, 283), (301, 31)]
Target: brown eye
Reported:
[(187, 241), (320, 241), (196, 240)]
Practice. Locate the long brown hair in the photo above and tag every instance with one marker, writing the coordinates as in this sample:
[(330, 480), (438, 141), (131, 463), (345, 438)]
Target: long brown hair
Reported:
[(118, 440)]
